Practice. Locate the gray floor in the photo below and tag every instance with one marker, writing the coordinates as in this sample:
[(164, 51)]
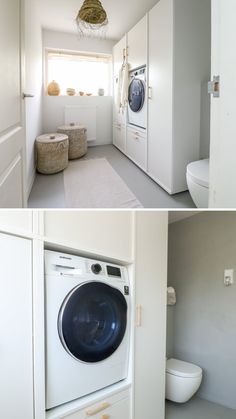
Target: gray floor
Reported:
[(198, 409), (48, 191)]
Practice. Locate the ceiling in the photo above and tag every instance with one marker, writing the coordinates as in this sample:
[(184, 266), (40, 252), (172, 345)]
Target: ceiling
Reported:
[(59, 15), (175, 216)]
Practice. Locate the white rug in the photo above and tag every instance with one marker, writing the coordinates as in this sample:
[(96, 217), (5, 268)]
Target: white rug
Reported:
[(95, 184)]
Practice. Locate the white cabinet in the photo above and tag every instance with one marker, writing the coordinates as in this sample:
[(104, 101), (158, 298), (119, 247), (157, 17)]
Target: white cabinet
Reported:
[(104, 233), (16, 378), (119, 136), (136, 148), (137, 44), (179, 66), (16, 220), (119, 53), (117, 406), (150, 335)]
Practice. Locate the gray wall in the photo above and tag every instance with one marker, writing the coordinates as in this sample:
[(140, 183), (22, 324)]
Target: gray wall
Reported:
[(204, 319)]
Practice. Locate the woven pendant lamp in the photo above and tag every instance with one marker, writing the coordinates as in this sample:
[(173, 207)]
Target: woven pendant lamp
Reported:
[(92, 19)]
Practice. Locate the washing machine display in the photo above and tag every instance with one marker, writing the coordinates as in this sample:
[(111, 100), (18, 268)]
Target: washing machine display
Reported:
[(137, 98), (87, 326), (92, 321)]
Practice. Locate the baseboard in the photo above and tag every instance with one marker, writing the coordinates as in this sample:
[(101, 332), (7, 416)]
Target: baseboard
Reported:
[(31, 182)]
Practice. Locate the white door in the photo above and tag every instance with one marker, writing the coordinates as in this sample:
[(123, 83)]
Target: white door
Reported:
[(223, 109), (12, 132), (16, 377)]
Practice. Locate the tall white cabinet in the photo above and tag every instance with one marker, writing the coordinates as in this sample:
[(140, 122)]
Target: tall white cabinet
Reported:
[(179, 68), (16, 323), (150, 334)]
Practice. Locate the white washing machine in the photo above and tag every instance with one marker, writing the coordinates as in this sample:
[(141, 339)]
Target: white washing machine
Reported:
[(137, 98), (87, 326)]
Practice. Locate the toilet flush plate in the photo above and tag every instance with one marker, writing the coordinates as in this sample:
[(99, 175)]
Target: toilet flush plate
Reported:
[(228, 277)]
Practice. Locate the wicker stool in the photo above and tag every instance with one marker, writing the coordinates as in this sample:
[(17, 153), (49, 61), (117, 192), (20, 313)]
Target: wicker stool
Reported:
[(52, 153), (77, 135)]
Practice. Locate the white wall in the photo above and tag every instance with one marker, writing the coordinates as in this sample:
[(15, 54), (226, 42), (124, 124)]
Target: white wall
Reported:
[(54, 107), (72, 42), (54, 110), (33, 83)]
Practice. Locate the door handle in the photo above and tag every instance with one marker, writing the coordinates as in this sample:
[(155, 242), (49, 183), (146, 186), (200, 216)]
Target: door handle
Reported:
[(26, 95), (98, 409), (138, 315), (150, 92)]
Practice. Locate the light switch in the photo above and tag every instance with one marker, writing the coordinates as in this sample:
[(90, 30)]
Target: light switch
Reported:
[(228, 277)]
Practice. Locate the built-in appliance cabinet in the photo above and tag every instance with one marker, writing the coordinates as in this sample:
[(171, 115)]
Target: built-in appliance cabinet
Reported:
[(137, 44), (16, 378), (119, 136), (179, 66), (150, 332), (117, 406), (101, 233), (136, 148), (177, 54)]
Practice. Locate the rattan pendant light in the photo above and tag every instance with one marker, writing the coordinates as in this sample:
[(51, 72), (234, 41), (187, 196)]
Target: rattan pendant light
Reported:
[(92, 19)]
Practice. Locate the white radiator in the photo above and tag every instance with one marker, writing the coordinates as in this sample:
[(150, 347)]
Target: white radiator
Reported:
[(83, 115)]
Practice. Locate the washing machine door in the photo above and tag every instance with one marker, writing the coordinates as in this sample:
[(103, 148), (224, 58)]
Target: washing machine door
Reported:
[(92, 321), (136, 95)]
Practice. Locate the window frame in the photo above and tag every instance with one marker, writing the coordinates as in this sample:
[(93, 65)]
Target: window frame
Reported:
[(47, 51)]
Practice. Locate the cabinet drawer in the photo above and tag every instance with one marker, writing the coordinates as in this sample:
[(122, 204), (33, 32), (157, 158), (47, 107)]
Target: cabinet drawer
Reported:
[(137, 147), (114, 407)]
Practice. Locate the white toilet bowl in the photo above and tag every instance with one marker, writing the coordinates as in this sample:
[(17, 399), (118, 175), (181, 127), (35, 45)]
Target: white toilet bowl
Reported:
[(198, 182), (182, 380)]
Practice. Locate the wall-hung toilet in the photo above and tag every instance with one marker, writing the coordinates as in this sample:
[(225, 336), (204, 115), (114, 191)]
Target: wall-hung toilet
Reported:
[(182, 380), (198, 182)]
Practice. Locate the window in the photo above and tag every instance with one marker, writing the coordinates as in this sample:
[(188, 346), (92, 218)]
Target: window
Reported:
[(84, 72)]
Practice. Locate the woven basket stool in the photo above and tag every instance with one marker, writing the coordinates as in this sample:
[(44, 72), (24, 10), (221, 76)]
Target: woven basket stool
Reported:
[(77, 135), (52, 153)]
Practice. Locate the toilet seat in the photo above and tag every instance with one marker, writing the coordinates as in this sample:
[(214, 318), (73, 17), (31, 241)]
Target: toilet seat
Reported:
[(199, 172), (182, 369)]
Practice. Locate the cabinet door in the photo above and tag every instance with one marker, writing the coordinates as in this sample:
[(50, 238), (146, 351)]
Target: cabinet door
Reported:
[(21, 220), (137, 44), (104, 233), (150, 337), (119, 137), (161, 83), (119, 52), (16, 378)]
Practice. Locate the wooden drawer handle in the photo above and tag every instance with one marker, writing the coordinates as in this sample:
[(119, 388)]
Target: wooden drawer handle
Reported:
[(138, 315), (92, 412)]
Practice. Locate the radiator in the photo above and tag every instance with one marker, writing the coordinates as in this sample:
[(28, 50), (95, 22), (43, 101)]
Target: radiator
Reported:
[(83, 115)]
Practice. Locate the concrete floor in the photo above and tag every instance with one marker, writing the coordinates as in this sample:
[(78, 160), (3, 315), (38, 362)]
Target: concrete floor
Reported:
[(198, 409), (48, 191)]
